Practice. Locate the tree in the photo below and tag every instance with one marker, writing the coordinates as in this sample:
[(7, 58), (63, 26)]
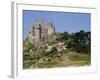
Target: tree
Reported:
[(80, 41), (27, 46), (65, 35), (71, 43)]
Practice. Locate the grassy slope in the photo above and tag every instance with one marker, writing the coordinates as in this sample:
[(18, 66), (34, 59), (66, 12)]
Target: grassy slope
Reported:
[(68, 59), (74, 59)]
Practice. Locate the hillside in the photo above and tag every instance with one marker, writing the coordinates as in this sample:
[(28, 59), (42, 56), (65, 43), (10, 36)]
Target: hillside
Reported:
[(58, 50)]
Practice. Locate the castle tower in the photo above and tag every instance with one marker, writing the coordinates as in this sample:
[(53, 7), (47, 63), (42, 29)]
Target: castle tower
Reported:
[(50, 28), (37, 31), (40, 30)]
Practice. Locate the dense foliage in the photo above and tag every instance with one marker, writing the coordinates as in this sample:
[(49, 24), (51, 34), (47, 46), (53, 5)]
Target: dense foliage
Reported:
[(79, 42)]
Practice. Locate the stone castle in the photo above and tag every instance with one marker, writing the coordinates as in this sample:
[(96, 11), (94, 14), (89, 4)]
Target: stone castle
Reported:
[(39, 30)]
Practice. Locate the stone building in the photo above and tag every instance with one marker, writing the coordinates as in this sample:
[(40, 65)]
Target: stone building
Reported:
[(50, 28), (40, 29)]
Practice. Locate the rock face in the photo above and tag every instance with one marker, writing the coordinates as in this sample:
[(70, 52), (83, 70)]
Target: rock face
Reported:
[(39, 30)]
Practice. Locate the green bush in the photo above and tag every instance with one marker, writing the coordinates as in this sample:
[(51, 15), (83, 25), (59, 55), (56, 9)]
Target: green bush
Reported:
[(79, 57)]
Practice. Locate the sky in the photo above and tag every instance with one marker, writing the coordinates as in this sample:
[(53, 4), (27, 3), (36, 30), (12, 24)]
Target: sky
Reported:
[(63, 21)]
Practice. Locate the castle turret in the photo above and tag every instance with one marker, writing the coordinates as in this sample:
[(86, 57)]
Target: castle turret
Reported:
[(50, 28)]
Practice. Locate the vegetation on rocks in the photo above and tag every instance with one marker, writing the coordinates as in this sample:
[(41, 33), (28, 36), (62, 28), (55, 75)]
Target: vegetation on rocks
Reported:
[(58, 50)]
